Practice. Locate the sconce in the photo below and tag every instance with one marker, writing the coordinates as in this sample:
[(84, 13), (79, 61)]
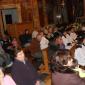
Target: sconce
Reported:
[(58, 16)]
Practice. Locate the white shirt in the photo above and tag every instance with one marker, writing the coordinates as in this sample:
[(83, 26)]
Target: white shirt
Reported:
[(69, 38), (80, 55), (65, 40), (44, 43)]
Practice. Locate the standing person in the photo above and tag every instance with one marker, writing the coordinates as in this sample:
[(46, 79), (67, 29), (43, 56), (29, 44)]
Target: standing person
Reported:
[(80, 51), (22, 71)]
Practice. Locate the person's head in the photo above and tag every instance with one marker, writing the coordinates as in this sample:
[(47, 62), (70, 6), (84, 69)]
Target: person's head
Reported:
[(73, 29), (26, 31), (5, 70), (58, 40), (55, 29), (69, 30), (62, 60), (81, 38), (50, 30), (65, 33), (19, 54), (41, 33), (45, 31), (39, 37)]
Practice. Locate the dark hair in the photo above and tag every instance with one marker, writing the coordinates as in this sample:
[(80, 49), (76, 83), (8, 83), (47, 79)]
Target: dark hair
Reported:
[(17, 50), (26, 30), (59, 59), (57, 36), (81, 37), (6, 64), (7, 70)]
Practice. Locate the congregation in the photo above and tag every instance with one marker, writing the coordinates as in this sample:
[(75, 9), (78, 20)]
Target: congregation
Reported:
[(50, 49)]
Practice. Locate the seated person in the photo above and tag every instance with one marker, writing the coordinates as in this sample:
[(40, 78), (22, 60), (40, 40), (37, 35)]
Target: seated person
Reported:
[(4, 56), (43, 41), (73, 34), (15, 43), (6, 78), (57, 43), (25, 38), (80, 51), (7, 46), (36, 52), (65, 38), (83, 27), (62, 70), (50, 35), (45, 30), (23, 72), (5, 72), (55, 32), (34, 34)]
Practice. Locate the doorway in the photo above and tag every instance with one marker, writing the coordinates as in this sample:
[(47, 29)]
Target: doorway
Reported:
[(9, 14)]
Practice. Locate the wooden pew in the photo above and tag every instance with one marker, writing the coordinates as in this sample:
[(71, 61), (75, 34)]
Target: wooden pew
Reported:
[(45, 60)]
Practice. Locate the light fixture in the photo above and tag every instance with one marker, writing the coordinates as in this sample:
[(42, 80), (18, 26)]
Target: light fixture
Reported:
[(58, 16)]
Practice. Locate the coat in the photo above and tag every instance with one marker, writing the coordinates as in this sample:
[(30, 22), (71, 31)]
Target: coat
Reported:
[(66, 79), (24, 74)]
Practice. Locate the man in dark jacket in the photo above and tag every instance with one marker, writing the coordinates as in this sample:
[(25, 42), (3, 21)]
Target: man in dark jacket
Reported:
[(23, 72)]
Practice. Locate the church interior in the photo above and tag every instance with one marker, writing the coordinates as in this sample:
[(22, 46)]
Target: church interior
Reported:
[(42, 42)]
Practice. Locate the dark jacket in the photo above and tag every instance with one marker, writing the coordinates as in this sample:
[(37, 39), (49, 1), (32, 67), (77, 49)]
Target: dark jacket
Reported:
[(25, 38), (24, 74), (66, 79)]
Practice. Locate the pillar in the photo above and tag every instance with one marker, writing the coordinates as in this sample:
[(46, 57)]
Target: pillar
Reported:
[(45, 60), (44, 12), (84, 6), (35, 12)]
